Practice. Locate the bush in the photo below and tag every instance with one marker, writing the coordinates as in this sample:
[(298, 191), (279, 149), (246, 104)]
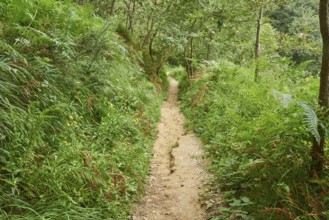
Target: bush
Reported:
[(258, 137)]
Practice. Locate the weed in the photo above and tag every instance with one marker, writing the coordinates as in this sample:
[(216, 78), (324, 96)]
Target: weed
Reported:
[(258, 140)]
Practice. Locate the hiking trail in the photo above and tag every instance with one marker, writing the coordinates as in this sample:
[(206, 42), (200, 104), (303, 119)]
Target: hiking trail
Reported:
[(177, 169)]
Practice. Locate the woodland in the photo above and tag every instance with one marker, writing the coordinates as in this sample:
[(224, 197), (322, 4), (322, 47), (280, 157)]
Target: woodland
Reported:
[(82, 82)]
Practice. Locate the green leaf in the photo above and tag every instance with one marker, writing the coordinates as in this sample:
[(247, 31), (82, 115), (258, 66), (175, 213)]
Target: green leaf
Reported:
[(235, 203), (224, 209), (311, 121), (245, 199)]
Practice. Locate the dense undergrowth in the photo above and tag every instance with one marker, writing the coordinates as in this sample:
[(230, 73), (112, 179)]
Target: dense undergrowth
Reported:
[(258, 137), (77, 114)]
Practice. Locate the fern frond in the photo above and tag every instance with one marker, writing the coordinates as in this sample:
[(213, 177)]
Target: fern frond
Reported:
[(311, 120), (284, 99)]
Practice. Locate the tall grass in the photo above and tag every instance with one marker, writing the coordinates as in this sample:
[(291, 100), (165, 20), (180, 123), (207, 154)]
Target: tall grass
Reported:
[(77, 115)]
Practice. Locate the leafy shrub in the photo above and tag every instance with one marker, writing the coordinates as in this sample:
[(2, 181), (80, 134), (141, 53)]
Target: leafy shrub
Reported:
[(258, 137)]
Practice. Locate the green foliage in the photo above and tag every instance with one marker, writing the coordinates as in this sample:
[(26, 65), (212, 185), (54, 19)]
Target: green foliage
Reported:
[(311, 120), (77, 115), (300, 39), (258, 137), (125, 34), (78, 111), (178, 73)]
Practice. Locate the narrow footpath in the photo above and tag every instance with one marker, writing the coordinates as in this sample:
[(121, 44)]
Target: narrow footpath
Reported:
[(177, 169)]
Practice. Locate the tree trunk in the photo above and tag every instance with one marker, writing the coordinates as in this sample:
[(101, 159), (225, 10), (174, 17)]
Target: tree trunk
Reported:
[(112, 7), (188, 53), (209, 47), (130, 15), (257, 45), (151, 44), (187, 65), (317, 151), (149, 29)]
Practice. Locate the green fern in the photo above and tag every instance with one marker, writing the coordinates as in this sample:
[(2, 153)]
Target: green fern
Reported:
[(311, 120), (284, 99)]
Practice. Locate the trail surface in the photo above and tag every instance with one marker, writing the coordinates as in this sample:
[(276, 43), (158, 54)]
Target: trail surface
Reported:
[(177, 170)]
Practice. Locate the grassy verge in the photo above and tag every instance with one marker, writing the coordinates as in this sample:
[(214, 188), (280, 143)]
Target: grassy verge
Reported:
[(77, 114), (258, 138)]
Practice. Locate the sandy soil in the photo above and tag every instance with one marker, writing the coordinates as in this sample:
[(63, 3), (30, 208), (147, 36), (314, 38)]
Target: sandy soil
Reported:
[(177, 169)]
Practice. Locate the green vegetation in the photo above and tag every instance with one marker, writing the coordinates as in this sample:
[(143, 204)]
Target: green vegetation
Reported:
[(258, 137), (252, 98), (77, 114), (81, 82), (251, 95)]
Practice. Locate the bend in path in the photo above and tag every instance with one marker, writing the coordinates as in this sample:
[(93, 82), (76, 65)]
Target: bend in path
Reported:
[(177, 170)]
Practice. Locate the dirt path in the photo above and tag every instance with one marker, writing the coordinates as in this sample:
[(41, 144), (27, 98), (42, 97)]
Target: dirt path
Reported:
[(176, 170)]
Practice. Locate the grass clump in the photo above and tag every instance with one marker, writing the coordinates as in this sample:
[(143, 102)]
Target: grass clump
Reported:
[(77, 115), (258, 137)]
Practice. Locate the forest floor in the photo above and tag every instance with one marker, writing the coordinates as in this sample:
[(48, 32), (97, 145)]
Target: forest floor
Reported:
[(177, 170)]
